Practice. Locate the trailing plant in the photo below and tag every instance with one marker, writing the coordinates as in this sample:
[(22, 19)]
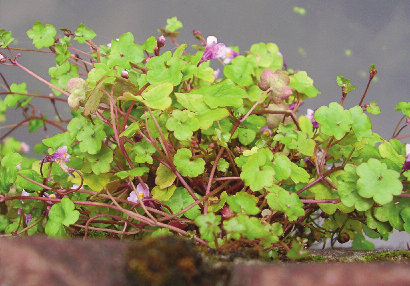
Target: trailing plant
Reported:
[(159, 143)]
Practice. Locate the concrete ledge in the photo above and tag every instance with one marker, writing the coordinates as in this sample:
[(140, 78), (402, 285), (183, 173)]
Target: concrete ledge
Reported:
[(42, 261)]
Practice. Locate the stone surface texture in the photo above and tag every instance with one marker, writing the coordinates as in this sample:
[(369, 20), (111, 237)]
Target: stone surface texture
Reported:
[(42, 261)]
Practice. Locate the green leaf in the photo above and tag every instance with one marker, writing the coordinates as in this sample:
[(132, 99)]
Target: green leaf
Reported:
[(27, 185), (166, 68), (42, 36), (323, 192), (360, 242), (202, 72), (150, 44), (101, 161), (209, 226), (281, 200), (183, 123), (306, 145), (59, 215), (163, 194), (186, 166), (217, 203), (58, 140), (297, 250), (240, 71), (165, 177), (223, 165), (384, 228), (306, 125), (130, 131), (266, 56), (35, 124), (258, 172), (156, 97), (205, 115), (95, 182), (143, 150), (373, 108), (361, 123), (303, 84), (391, 212), (12, 100), (62, 53), (223, 94), (83, 34), (282, 166), (124, 52), (234, 228), (404, 107), (377, 182), (139, 171), (334, 120), (98, 79), (243, 202), (8, 170), (61, 75), (5, 38), (4, 223), (298, 174), (180, 200), (345, 84), (387, 151), (246, 136), (405, 214), (91, 137), (173, 24), (348, 191)]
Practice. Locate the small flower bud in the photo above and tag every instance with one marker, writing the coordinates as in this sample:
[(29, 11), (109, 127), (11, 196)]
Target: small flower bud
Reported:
[(198, 35), (124, 74), (372, 71), (343, 237), (324, 215), (161, 41), (227, 213)]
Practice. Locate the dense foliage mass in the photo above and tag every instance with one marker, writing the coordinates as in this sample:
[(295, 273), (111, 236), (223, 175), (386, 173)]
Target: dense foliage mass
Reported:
[(159, 143)]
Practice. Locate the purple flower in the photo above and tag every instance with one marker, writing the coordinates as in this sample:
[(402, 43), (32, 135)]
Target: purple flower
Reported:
[(61, 153), (293, 105), (28, 217), (265, 130), (24, 147), (230, 55), (310, 113), (406, 165), (213, 50), (216, 74), (142, 193)]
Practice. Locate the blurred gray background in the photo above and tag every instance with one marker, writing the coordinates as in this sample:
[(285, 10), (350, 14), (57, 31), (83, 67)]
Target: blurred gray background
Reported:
[(332, 38)]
